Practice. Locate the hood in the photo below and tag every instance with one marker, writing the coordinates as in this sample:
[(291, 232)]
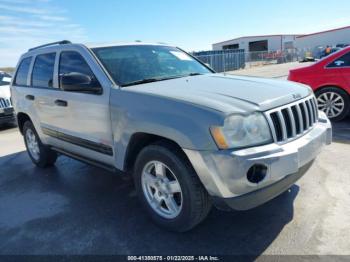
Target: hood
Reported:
[(227, 93), (5, 91)]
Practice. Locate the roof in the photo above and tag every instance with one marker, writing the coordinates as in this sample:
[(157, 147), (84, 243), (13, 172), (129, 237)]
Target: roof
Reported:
[(96, 45), (257, 36), (52, 46), (327, 31)]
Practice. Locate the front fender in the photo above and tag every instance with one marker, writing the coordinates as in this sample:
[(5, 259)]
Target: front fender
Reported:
[(184, 123)]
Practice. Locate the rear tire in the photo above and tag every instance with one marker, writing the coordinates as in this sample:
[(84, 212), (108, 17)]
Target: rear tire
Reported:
[(191, 201), (40, 154), (335, 102)]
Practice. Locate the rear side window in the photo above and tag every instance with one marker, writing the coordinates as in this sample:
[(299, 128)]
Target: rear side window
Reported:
[(343, 61), (22, 72), (42, 75)]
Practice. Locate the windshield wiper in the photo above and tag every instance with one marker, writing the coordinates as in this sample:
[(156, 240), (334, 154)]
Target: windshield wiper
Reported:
[(142, 81), (195, 74), (149, 80)]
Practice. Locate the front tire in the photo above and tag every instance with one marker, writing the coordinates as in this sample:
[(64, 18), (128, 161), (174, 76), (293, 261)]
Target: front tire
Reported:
[(40, 154), (169, 188), (334, 102)]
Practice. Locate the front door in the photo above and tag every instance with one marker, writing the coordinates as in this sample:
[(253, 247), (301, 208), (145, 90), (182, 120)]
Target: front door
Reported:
[(78, 121)]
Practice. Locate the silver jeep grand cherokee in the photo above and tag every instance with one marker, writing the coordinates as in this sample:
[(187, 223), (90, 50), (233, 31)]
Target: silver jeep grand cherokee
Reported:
[(190, 137)]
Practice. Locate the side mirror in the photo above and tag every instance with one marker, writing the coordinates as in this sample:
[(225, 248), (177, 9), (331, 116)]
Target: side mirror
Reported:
[(78, 82)]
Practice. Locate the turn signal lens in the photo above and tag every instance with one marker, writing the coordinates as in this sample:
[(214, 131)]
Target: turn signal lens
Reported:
[(219, 137)]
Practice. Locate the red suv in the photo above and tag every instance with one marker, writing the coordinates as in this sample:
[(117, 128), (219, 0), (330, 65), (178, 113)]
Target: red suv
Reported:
[(330, 80)]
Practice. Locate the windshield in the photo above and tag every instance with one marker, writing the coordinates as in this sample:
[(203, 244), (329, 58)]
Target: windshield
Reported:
[(137, 64), (5, 79)]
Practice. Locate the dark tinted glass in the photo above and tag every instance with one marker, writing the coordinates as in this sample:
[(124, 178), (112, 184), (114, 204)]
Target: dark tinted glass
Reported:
[(73, 62), (341, 61), (42, 75), (22, 72)]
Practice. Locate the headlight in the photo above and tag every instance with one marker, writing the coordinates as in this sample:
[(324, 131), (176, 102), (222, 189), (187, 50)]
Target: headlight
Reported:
[(242, 131)]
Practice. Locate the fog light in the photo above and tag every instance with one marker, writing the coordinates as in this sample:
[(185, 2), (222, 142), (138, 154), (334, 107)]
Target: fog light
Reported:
[(257, 173)]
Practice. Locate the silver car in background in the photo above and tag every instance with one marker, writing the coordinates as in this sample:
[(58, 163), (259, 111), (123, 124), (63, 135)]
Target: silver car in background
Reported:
[(188, 136), (6, 110)]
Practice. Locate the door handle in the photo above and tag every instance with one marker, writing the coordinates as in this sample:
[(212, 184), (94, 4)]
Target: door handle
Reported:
[(30, 97), (59, 102)]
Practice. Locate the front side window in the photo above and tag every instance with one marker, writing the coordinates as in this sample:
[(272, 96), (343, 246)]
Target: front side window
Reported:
[(22, 72), (136, 64), (73, 64), (343, 61), (42, 75)]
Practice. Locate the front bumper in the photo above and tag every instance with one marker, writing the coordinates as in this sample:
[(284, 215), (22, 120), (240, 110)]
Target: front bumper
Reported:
[(224, 173), (7, 115), (262, 195)]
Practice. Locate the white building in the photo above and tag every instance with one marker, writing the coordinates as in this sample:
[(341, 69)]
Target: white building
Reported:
[(258, 43), (309, 42), (322, 39)]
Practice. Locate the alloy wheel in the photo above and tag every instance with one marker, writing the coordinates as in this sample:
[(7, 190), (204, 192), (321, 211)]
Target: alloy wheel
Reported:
[(32, 144), (331, 103), (162, 189)]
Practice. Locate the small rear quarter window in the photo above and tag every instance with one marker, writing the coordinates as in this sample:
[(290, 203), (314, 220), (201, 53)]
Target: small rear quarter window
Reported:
[(22, 72)]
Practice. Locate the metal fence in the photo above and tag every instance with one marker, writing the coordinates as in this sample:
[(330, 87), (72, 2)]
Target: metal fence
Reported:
[(223, 60), (228, 61)]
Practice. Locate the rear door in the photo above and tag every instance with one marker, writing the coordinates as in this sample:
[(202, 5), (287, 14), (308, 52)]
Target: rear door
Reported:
[(42, 91), (33, 89)]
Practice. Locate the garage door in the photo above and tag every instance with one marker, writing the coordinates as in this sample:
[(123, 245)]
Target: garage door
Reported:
[(257, 46)]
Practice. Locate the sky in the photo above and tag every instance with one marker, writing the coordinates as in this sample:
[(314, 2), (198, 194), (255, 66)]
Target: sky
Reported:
[(190, 24)]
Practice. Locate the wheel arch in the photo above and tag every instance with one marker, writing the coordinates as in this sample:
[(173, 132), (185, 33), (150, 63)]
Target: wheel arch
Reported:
[(318, 89), (140, 140), (21, 119)]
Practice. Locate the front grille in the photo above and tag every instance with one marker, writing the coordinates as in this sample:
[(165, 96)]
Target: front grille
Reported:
[(5, 103), (293, 120)]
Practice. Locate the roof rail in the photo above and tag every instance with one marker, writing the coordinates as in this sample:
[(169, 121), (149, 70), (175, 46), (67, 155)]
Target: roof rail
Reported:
[(63, 42)]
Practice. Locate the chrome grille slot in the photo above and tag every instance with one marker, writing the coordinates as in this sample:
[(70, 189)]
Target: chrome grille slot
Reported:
[(287, 121), (314, 108), (5, 103), (277, 126), (293, 120), (304, 115), (297, 119)]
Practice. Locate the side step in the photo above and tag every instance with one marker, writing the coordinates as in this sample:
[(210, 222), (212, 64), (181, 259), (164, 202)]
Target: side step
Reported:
[(86, 160)]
